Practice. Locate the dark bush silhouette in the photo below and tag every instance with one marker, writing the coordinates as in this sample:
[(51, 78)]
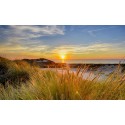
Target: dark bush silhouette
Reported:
[(12, 73), (3, 69), (17, 77)]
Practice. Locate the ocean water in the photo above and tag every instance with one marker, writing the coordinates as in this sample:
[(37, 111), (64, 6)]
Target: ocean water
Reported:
[(93, 61)]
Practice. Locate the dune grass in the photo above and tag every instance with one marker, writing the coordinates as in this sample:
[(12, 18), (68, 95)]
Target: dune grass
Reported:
[(52, 85)]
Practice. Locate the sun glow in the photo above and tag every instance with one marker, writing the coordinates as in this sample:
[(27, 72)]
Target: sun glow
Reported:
[(62, 56)]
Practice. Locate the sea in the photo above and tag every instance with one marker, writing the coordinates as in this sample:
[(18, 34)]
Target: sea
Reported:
[(92, 61)]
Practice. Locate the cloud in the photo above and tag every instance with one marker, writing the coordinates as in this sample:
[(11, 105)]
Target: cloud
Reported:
[(92, 32), (96, 48), (26, 37), (37, 31), (24, 33), (14, 47), (82, 49)]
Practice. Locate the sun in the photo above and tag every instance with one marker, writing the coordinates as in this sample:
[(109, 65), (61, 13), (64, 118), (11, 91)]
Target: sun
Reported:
[(62, 56)]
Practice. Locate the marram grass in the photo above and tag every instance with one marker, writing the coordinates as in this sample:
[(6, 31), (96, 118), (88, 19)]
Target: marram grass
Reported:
[(52, 85)]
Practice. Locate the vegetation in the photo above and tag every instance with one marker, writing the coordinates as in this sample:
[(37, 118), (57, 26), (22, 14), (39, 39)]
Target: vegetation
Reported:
[(20, 81)]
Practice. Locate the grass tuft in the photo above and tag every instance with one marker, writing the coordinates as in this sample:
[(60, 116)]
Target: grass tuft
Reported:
[(20, 81)]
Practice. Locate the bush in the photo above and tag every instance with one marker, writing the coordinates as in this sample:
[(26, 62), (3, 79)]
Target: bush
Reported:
[(12, 73)]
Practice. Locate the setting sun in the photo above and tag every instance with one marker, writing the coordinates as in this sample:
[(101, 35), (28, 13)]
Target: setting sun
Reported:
[(62, 56)]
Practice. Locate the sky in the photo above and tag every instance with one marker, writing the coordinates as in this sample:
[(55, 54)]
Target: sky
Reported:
[(68, 41)]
